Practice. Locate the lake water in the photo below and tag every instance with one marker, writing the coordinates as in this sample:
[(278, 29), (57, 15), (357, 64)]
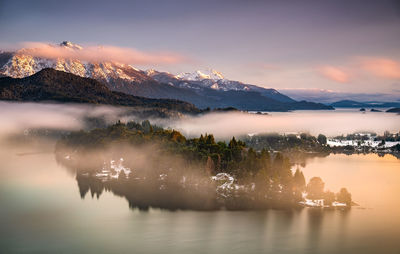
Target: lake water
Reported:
[(41, 212)]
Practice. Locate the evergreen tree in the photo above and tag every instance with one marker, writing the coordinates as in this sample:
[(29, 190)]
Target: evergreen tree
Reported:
[(299, 181), (281, 166), (210, 139), (232, 143), (146, 126), (210, 166), (344, 196), (265, 161), (251, 161), (329, 197), (322, 139), (315, 188), (236, 149)]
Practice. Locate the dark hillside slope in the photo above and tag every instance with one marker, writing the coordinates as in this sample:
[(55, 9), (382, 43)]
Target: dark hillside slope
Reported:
[(52, 85)]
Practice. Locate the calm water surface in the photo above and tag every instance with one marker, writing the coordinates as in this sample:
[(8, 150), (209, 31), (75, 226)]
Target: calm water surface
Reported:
[(41, 212)]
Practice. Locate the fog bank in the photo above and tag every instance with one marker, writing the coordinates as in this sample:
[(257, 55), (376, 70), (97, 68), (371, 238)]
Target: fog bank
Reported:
[(17, 117), (330, 123)]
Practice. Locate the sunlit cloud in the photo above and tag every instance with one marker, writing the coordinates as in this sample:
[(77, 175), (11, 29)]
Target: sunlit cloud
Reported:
[(335, 74), (382, 67), (101, 53)]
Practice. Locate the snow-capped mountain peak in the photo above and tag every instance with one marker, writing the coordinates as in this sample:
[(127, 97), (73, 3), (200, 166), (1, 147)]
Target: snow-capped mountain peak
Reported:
[(68, 44), (128, 79), (152, 72), (200, 75), (22, 63)]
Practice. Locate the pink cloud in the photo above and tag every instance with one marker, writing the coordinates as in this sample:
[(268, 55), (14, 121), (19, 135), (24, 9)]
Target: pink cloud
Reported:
[(382, 67), (334, 73), (101, 53)]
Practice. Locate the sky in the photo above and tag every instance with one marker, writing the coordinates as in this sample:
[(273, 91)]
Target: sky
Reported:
[(310, 46)]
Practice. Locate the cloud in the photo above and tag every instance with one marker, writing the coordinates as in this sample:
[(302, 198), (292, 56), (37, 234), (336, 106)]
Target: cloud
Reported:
[(334, 73), (382, 67), (101, 54)]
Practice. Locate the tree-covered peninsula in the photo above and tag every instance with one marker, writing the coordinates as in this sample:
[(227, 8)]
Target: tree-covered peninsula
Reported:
[(155, 167)]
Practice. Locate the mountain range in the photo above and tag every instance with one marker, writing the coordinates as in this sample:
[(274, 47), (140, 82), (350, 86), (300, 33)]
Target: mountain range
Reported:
[(52, 85), (329, 97), (203, 89), (371, 104)]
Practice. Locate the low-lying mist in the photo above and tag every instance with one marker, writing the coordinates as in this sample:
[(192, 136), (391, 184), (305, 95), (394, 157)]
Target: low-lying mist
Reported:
[(15, 118), (146, 175), (330, 123), (158, 170)]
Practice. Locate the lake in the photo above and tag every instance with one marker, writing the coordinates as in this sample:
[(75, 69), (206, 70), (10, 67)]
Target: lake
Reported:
[(41, 212)]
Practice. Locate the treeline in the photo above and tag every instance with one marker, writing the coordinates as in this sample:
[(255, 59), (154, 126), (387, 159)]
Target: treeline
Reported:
[(315, 191), (278, 142), (387, 136), (233, 157)]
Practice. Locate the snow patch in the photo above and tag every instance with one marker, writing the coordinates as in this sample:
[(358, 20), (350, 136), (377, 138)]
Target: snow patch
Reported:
[(200, 75)]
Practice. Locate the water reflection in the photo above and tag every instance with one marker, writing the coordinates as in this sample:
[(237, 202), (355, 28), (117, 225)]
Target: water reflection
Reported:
[(42, 212), (85, 184), (315, 219)]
